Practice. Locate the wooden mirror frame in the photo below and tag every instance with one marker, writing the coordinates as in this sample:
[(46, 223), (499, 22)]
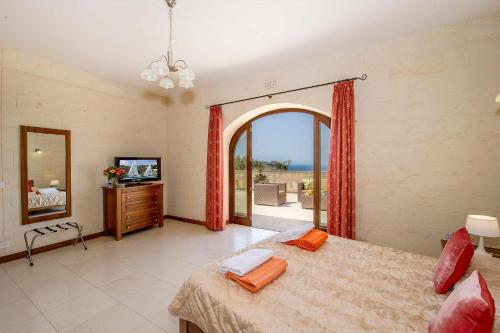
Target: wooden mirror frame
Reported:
[(24, 173)]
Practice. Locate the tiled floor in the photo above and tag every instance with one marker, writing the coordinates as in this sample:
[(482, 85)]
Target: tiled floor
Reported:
[(121, 286)]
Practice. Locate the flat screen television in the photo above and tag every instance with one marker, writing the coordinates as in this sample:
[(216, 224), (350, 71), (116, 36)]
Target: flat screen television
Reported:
[(139, 169)]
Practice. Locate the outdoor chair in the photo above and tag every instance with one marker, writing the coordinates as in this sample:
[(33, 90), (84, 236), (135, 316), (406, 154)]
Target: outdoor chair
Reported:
[(270, 194)]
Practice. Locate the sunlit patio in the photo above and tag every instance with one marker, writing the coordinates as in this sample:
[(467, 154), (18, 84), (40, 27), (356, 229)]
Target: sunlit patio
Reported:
[(278, 218)]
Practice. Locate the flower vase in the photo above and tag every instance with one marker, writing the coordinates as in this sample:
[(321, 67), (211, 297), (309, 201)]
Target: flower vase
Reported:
[(113, 182)]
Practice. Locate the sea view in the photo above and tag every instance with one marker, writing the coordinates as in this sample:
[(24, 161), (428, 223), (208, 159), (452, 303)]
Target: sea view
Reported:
[(300, 167), (305, 167)]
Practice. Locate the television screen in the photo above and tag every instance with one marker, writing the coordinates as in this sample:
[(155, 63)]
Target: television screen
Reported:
[(139, 169)]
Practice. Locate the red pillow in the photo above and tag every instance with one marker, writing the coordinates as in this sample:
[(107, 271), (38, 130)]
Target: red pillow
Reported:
[(453, 262), (461, 233), (30, 186), (469, 309)]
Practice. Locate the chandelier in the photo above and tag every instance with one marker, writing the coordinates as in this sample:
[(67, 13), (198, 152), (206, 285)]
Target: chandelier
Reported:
[(163, 68)]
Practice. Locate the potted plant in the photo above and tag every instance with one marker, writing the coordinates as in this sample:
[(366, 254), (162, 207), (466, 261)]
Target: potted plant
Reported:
[(260, 178), (114, 174)]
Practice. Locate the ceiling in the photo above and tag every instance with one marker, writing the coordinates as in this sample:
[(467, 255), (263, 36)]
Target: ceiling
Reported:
[(219, 39)]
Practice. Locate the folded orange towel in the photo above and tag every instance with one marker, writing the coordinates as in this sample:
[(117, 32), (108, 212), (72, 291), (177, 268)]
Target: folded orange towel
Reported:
[(261, 276), (310, 241)]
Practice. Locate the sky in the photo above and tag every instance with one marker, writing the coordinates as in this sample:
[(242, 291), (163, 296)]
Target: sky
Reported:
[(285, 136), (138, 162)]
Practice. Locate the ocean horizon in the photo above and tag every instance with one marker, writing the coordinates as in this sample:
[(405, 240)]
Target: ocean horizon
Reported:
[(305, 167), (300, 167)]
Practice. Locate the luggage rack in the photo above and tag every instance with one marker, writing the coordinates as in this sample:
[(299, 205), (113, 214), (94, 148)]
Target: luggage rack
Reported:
[(48, 230)]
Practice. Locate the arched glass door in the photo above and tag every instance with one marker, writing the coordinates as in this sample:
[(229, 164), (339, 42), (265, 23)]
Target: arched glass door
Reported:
[(267, 187), (240, 162), (323, 152)]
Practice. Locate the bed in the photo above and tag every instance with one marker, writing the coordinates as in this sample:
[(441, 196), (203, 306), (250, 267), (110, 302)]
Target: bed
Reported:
[(346, 286), (37, 201)]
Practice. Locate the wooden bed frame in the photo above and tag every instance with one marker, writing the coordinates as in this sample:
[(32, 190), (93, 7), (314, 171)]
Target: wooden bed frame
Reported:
[(188, 327)]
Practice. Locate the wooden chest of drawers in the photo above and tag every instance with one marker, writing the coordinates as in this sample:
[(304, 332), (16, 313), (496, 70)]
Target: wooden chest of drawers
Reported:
[(131, 208)]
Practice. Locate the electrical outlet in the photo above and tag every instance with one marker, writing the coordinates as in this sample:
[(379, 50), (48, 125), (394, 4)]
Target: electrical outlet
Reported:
[(4, 245), (270, 84)]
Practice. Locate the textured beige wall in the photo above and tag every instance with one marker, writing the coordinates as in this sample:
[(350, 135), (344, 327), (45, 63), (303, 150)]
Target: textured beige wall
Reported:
[(106, 119), (427, 131)]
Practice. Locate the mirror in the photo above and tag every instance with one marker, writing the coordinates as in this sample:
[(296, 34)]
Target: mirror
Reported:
[(45, 174)]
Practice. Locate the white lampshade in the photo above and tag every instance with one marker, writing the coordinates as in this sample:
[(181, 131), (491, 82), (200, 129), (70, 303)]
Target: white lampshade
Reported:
[(148, 75), (484, 226), (160, 68), (166, 83), (186, 74), (54, 182), (498, 98), (186, 84)]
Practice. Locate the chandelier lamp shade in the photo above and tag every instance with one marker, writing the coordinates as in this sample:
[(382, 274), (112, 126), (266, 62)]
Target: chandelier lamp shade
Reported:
[(161, 70)]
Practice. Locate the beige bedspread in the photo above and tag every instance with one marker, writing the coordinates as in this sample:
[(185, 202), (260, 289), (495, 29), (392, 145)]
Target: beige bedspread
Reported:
[(37, 201), (346, 286)]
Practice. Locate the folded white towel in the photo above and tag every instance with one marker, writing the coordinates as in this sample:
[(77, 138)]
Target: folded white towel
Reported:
[(294, 233), (245, 262)]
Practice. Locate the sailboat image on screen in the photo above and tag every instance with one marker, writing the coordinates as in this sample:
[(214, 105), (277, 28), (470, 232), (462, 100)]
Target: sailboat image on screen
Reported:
[(133, 172), (148, 172)]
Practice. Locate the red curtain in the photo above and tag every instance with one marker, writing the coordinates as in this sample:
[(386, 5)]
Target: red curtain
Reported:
[(214, 206), (341, 215)]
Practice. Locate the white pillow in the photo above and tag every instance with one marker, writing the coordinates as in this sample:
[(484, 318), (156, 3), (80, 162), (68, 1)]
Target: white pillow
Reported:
[(48, 190)]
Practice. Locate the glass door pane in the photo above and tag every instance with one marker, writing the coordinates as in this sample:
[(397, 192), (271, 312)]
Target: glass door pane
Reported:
[(324, 152), (240, 176)]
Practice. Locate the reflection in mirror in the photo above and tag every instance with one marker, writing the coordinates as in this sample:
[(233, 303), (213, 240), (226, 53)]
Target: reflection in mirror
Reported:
[(46, 174), (46, 194)]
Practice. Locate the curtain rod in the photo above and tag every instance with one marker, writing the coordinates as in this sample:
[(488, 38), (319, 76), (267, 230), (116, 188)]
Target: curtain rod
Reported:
[(362, 78)]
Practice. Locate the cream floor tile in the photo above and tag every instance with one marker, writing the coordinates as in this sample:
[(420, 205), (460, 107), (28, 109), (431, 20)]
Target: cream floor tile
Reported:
[(76, 254), (36, 324), (150, 303), (126, 288), (148, 327), (100, 271), (202, 257), (166, 321), (50, 295), (171, 270), (14, 314), (118, 318), (44, 272), (179, 274), (9, 292), (75, 311)]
